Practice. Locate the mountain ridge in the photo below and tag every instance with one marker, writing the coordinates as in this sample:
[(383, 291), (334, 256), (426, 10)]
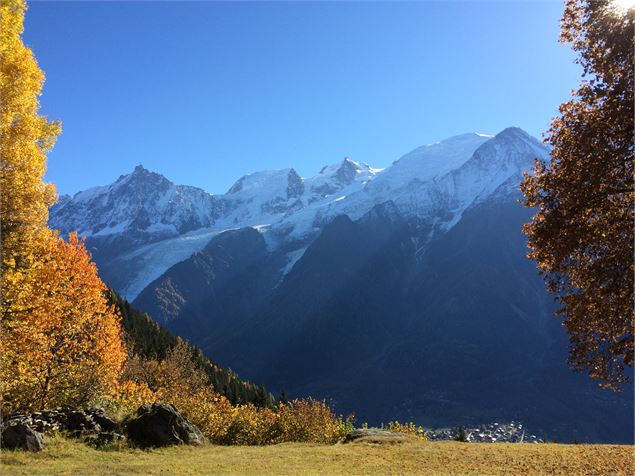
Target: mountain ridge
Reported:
[(126, 223)]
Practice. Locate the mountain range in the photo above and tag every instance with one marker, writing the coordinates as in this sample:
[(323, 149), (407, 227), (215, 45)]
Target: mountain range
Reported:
[(402, 292)]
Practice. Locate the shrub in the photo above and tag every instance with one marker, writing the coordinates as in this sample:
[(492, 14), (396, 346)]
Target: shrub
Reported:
[(312, 421), (408, 428)]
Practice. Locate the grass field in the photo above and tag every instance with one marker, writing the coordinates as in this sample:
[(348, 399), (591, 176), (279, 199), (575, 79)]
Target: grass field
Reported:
[(63, 456)]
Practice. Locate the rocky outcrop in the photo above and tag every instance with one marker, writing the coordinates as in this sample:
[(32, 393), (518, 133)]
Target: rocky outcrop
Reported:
[(92, 425), (161, 424)]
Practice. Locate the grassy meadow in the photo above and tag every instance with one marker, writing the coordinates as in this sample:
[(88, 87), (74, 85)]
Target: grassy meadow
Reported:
[(408, 456)]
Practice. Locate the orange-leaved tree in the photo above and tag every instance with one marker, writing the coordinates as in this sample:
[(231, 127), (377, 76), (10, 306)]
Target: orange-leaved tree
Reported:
[(60, 342)]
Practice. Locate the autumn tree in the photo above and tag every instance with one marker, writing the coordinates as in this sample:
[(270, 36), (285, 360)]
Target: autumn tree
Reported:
[(582, 234), (25, 137), (60, 339), (66, 347)]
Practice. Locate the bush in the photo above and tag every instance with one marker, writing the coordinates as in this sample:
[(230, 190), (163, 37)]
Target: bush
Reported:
[(311, 421), (129, 396), (408, 428)]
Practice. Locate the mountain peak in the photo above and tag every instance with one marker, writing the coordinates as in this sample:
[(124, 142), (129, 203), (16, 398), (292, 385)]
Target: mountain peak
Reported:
[(262, 180), (141, 171), (142, 177), (466, 137), (431, 183), (344, 170), (347, 171), (517, 138), (514, 133)]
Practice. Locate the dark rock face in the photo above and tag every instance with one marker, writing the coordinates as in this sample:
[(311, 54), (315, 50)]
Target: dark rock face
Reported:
[(161, 424), (295, 186), (346, 173), (21, 437), (325, 189), (237, 187), (80, 421)]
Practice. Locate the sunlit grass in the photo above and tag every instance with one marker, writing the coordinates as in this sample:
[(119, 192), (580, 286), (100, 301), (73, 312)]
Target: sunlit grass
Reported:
[(63, 456)]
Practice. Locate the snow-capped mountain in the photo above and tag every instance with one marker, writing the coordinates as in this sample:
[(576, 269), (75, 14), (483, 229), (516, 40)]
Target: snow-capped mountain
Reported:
[(143, 204), (434, 184), (144, 223)]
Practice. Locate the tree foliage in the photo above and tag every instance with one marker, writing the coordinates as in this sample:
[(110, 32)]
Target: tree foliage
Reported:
[(60, 338), (25, 137), (65, 348), (582, 234)]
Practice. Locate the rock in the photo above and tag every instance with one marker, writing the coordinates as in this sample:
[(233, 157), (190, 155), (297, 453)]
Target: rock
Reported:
[(43, 426), (162, 425), (89, 423), (106, 423), (21, 437), (79, 420)]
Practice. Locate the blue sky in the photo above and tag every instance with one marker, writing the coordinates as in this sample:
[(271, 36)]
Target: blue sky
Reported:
[(205, 92)]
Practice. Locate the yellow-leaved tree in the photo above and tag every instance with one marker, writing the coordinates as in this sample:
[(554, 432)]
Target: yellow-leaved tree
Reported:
[(60, 340), (25, 137)]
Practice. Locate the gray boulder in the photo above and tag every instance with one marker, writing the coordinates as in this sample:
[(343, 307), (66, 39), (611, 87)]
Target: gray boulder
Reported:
[(161, 424), (21, 437)]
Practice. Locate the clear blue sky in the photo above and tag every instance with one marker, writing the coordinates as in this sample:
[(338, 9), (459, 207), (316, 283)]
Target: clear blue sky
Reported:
[(206, 92)]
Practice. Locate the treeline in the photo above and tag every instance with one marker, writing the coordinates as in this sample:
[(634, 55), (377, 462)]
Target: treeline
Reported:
[(149, 340)]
